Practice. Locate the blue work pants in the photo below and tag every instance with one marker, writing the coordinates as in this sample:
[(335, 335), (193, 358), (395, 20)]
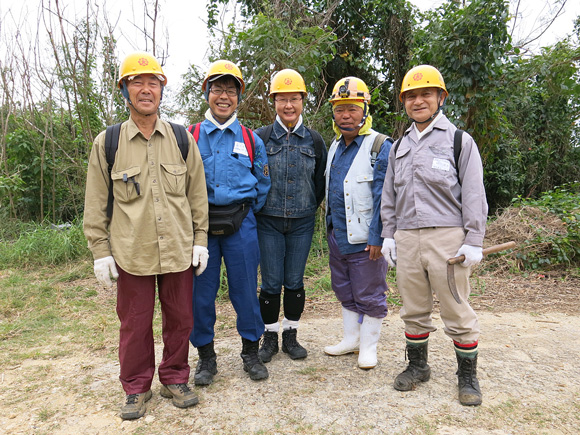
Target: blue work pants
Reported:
[(241, 256)]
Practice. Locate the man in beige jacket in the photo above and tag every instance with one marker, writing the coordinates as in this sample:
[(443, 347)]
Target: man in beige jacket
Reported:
[(156, 234)]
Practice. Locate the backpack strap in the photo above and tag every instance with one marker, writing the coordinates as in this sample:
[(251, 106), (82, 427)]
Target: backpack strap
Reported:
[(111, 145), (397, 146), (194, 130), (457, 140), (318, 142), (181, 137), (249, 142), (265, 133), (376, 149)]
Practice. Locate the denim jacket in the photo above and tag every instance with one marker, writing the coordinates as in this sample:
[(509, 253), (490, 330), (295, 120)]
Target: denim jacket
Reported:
[(296, 174)]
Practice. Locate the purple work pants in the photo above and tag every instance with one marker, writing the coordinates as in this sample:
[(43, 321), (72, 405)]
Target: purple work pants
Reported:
[(358, 282), (135, 305)]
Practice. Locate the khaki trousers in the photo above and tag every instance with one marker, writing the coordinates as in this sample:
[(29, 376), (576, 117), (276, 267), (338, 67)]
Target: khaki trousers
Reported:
[(422, 271)]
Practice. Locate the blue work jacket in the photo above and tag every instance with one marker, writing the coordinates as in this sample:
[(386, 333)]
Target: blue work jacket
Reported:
[(296, 172), (336, 216), (229, 176)]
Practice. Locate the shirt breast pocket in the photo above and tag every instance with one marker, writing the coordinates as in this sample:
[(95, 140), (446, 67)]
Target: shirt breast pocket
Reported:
[(307, 161), (438, 171), (275, 155), (364, 199), (402, 167), (173, 176), (126, 186)]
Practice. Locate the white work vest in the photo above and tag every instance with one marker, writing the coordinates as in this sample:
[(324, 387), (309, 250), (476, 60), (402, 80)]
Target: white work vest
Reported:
[(358, 195)]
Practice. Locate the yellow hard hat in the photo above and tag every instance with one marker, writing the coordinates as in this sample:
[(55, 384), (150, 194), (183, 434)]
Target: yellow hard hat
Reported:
[(222, 68), (350, 89), (140, 63), (287, 80), (422, 76)]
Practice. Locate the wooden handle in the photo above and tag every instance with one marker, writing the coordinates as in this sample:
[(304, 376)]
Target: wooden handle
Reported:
[(491, 250)]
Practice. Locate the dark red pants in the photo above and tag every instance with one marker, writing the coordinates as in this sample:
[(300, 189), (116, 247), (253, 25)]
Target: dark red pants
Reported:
[(135, 305)]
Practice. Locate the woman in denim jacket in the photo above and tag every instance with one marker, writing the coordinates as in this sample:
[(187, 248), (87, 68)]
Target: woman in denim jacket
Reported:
[(297, 159)]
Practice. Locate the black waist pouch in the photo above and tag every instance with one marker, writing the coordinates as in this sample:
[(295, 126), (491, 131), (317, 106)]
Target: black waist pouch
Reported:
[(225, 220)]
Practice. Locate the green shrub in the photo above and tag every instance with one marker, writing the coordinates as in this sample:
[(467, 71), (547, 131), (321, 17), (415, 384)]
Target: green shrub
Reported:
[(43, 244), (564, 244)]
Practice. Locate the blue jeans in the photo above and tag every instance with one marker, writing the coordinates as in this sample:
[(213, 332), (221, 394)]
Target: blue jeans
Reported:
[(284, 248)]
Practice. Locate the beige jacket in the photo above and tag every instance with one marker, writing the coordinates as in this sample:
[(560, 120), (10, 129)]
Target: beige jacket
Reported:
[(151, 232)]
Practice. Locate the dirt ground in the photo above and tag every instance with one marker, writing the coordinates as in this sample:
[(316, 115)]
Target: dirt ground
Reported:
[(528, 371)]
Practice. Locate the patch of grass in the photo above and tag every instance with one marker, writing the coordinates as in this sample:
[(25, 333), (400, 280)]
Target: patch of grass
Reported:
[(45, 413), (42, 244), (40, 306), (313, 373)]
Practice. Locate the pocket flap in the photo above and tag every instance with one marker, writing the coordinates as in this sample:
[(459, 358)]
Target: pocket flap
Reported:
[(174, 168), (129, 172), (364, 178), (402, 152)]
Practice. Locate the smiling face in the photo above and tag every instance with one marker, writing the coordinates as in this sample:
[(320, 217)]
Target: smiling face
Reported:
[(289, 107), (144, 93), (422, 103), (348, 118), (223, 98)]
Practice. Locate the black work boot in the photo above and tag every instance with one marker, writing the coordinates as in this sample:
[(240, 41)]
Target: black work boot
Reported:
[(252, 363), (417, 371), (269, 346), (291, 346), (469, 391), (206, 365)]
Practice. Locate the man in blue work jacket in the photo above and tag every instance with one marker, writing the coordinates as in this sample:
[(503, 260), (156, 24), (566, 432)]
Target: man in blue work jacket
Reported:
[(237, 180), (355, 171)]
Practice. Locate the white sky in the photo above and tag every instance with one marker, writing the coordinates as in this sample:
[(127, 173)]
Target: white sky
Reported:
[(188, 36)]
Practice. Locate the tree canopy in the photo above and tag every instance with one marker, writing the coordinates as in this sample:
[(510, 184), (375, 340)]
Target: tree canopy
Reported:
[(522, 108)]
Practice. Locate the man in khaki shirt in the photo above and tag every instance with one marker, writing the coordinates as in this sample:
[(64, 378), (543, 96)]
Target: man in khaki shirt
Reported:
[(156, 234)]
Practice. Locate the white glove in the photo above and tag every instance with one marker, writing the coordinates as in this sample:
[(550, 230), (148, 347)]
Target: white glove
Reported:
[(200, 257), (389, 251), (103, 268), (473, 255)]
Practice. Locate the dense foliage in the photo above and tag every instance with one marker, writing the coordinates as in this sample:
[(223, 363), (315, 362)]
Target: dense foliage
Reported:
[(560, 246), (523, 110)]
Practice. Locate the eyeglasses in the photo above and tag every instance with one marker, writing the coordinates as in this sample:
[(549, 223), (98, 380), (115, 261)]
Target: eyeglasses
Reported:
[(219, 91), (294, 101)]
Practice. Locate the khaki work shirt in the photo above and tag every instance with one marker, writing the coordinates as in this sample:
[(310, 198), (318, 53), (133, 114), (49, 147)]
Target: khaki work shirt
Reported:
[(151, 231), (424, 189)]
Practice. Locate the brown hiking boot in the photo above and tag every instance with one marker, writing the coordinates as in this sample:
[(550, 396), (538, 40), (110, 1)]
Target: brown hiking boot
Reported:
[(181, 395), (134, 406)]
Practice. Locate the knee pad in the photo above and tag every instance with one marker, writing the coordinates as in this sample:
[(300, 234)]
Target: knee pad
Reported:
[(269, 307), (294, 303)]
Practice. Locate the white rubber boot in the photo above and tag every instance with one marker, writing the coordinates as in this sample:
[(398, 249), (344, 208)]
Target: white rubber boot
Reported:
[(370, 331), (350, 341)]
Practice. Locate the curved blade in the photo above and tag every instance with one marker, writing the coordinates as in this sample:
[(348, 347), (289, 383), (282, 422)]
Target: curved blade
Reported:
[(451, 282)]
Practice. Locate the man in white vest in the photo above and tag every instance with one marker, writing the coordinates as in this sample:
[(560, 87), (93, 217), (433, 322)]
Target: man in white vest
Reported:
[(355, 171)]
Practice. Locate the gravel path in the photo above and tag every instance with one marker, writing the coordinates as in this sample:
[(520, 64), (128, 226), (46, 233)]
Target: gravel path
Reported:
[(529, 380)]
